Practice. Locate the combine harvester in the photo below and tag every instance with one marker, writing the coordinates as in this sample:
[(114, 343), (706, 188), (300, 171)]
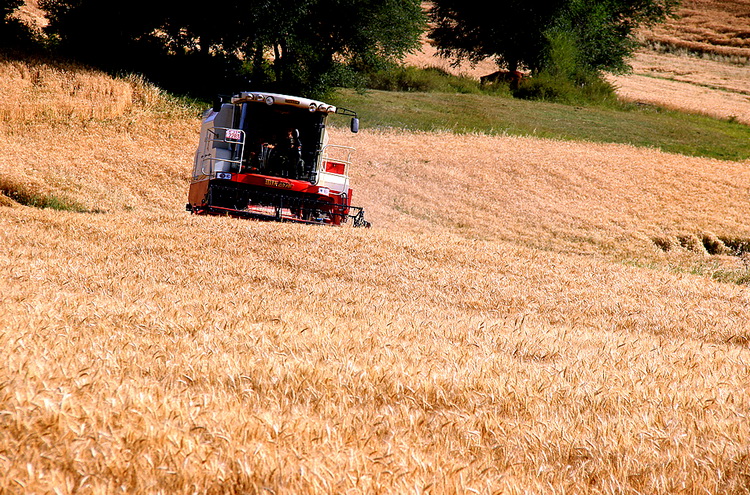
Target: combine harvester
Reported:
[(266, 156)]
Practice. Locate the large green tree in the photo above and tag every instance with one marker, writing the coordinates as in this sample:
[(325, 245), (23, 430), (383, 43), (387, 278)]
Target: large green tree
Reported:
[(303, 46), (166, 40), (315, 41), (510, 32), (524, 33), (604, 30)]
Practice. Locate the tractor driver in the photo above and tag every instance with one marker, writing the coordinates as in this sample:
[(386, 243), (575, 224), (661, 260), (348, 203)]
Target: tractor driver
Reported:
[(288, 155)]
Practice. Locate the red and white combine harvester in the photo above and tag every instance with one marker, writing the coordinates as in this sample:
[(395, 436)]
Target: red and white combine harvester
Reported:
[(266, 156)]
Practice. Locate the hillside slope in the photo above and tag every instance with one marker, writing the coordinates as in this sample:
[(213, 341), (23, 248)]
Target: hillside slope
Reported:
[(525, 316), (695, 62), (699, 85)]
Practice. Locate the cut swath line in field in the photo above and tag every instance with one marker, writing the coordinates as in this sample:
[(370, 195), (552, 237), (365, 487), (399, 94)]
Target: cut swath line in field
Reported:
[(705, 243), (727, 259)]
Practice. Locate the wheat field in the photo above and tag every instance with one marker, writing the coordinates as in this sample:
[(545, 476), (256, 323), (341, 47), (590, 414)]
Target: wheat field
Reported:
[(525, 316)]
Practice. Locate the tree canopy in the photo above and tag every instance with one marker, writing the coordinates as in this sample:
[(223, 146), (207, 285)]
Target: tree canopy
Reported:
[(303, 46), (13, 32), (7, 7), (524, 33)]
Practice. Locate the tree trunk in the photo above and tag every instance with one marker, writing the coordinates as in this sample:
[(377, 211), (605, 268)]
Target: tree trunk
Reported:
[(277, 61)]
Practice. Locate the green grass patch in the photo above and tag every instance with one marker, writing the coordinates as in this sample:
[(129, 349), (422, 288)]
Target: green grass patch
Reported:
[(26, 196), (648, 126), (738, 277), (430, 80)]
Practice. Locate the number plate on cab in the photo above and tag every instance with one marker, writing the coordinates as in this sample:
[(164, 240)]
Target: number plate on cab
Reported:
[(234, 135)]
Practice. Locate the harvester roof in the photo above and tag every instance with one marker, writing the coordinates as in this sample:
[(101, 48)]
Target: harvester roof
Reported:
[(279, 99)]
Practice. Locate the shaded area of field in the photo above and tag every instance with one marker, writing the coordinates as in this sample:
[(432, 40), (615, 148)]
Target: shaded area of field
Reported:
[(523, 317)]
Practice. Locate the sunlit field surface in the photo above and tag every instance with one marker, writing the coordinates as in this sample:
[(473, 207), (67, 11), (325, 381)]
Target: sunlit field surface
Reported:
[(687, 83), (713, 27), (702, 62), (697, 62), (525, 316)]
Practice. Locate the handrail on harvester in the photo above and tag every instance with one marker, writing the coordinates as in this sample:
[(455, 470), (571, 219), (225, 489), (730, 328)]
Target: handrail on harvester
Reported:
[(325, 156), (212, 141)]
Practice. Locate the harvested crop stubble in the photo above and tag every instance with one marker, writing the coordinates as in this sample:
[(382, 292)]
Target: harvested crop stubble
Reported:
[(427, 56), (684, 96), (687, 83), (701, 72), (716, 27)]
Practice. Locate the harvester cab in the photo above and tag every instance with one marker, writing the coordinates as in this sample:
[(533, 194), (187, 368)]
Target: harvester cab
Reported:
[(267, 156)]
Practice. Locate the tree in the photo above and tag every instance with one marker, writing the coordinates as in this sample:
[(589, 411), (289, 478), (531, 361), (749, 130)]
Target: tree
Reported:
[(512, 33), (13, 32), (603, 31), (303, 46), (522, 32), (7, 8)]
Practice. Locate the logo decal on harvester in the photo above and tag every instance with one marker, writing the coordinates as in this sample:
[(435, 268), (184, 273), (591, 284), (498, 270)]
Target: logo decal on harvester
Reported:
[(278, 183)]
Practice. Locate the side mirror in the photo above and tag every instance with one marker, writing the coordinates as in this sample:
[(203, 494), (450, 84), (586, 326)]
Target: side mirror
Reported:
[(355, 124), (217, 104)]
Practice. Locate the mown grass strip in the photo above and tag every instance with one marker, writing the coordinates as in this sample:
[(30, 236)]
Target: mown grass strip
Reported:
[(648, 126)]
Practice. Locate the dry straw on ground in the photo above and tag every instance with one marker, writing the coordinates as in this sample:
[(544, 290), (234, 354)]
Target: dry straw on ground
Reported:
[(712, 27), (427, 56), (684, 96), (705, 69), (509, 325), (716, 84)]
